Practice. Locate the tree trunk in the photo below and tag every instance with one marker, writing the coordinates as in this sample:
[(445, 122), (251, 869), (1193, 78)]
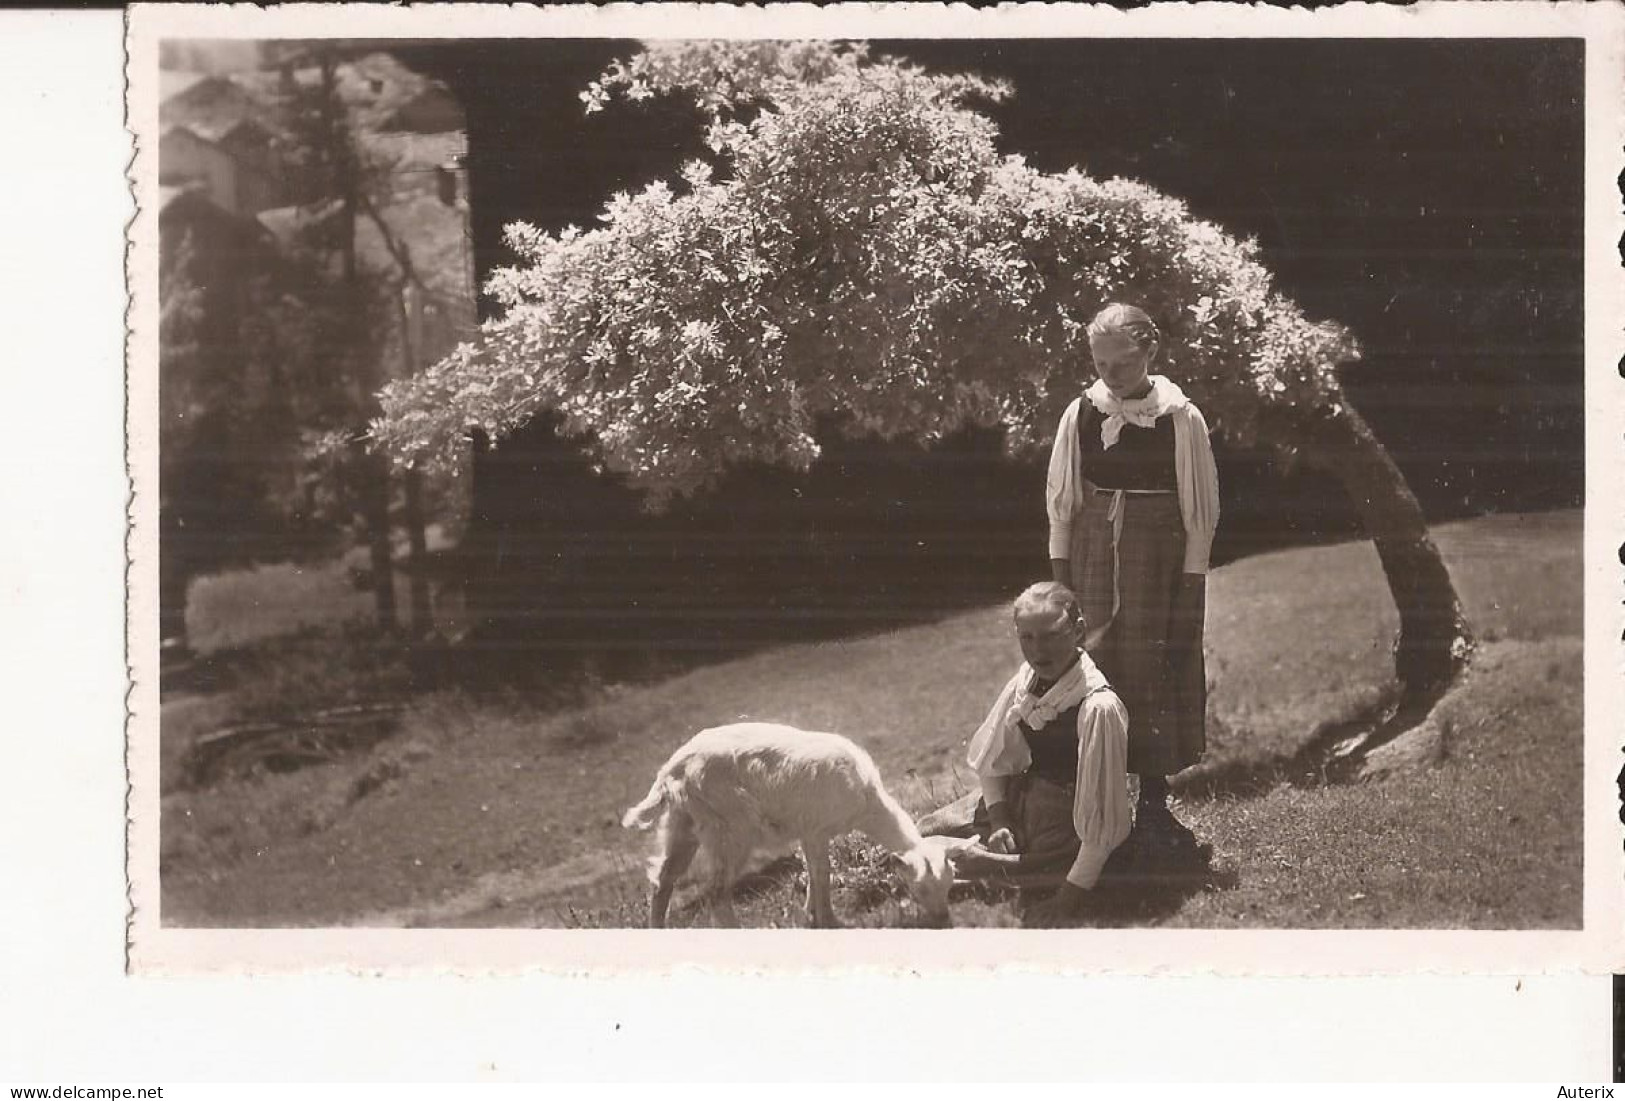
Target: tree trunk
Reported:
[(1434, 641), (374, 469), (407, 304), (418, 567), (375, 507)]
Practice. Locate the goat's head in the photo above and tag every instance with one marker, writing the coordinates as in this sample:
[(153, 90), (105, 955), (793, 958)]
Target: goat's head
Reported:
[(926, 870)]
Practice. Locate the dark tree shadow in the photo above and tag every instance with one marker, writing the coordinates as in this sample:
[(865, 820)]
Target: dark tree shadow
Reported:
[(1332, 754), (1135, 888), (1129, 895)]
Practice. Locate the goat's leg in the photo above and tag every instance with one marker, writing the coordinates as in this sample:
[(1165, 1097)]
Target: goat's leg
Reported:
[(681, 843), (819, 910)]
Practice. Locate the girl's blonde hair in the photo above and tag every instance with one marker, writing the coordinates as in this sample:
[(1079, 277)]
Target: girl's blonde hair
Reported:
[(1131, 321)]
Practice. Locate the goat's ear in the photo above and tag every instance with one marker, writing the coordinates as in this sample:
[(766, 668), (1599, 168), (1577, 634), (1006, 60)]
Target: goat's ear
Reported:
[(897, 862)]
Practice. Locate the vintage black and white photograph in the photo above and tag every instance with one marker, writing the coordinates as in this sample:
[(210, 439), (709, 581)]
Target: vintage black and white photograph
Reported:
[(1090, 479)]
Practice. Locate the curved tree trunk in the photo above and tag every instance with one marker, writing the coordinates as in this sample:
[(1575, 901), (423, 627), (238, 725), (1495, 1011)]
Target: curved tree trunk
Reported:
[(1434, 639)]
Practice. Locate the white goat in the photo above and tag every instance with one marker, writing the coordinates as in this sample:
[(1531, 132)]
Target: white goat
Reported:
[(762, 787)]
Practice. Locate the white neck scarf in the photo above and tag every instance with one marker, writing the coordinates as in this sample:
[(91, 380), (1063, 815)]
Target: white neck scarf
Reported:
[(1164, 397), (997, 747)]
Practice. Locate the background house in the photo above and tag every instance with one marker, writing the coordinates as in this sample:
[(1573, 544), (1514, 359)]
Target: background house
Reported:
[(249, 192), (238, 168), (224, 134)]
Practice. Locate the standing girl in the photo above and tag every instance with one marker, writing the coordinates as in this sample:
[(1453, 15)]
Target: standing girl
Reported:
[(1133, 500)]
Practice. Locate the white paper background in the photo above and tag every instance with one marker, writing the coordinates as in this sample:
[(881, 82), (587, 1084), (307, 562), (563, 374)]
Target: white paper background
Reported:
[(68, 1014)]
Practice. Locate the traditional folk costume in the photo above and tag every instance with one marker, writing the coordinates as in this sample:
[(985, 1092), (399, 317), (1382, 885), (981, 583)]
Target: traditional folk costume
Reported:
[(1133, 502), (1056, 754)]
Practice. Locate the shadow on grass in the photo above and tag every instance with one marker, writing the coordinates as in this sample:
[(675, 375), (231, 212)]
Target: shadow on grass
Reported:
[(772, 890), (1139, 897), (1333, 753), (1132, 890)]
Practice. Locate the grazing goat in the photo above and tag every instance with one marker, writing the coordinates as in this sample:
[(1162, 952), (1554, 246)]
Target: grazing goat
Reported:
[(753, 787)]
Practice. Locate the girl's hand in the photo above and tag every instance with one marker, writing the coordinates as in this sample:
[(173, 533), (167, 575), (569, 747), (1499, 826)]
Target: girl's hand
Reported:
[(1002, 841)]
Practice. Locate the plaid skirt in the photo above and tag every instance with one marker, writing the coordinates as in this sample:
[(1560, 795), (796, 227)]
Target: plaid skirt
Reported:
[(1040, 809), (1149, 645)]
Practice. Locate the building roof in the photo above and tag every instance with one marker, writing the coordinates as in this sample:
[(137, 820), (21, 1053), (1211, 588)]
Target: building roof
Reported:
[(434, 97), (174, 82), (285, 223), (375, 86), (191, 204), (219, 135), (213, 106), (168, 194), (193, 195), (238, 130)]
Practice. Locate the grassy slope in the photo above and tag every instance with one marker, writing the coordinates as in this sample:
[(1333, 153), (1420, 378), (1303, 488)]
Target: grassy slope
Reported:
[(489, 814)]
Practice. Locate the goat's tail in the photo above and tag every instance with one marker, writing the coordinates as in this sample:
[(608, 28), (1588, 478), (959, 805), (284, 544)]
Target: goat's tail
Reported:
[(644, 815)]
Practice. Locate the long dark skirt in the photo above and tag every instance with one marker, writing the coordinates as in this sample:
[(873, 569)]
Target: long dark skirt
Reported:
[(1040, 809), (1151, 650), (1042, 815)]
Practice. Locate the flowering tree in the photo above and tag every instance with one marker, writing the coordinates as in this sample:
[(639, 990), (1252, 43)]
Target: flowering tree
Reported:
[(859, 246)]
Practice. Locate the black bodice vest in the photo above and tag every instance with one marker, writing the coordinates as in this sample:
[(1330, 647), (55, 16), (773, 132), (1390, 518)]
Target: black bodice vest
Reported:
[(1142, 458), (1054, 748)]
